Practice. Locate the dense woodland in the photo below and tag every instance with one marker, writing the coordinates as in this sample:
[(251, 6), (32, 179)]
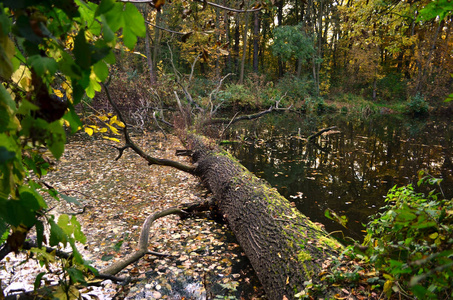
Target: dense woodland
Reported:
[(382, 51), (106, 68)]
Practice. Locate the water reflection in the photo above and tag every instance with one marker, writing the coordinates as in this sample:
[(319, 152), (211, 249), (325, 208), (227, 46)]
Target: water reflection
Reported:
[(350, 170)]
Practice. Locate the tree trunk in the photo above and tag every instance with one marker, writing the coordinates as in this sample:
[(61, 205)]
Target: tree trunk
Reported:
[(244, 48), (285, 248), (256, 40)]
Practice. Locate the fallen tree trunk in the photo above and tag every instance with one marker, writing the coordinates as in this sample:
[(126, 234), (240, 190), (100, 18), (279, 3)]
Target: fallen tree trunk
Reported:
[(285, 248)]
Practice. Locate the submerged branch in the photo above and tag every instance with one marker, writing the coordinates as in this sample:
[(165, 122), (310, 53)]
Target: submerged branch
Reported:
[(311, 137)]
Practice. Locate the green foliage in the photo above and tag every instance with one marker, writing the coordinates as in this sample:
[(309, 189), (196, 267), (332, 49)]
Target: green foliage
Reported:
[(411, 242), (292, 42), (392, 87), (417, 105), (296, 88), (47, 47), (238, 95), (437, 8)]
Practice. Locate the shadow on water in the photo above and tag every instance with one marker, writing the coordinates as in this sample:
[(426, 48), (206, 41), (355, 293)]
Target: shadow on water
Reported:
[(349, 169)]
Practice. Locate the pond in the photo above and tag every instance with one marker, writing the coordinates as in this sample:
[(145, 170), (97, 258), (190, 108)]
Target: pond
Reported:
[(348, 169)]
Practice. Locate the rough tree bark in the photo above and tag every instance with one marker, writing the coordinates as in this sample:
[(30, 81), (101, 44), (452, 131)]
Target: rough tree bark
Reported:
[(285, 248)]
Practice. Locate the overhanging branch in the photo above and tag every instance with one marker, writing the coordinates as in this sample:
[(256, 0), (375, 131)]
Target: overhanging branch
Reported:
[(130, 144), (202, 1)]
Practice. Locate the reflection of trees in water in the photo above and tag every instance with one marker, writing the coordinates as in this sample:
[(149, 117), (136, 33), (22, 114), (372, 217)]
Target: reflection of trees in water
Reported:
[(349, 172)]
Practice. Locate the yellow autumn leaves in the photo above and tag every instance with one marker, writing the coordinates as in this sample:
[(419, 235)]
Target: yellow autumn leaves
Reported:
[(107, 123)]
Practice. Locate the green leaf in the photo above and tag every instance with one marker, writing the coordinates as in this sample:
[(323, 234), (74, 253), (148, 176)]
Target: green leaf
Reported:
[(78, 234), (57, 139), (107, 32), (76, 275), (101, 70), (82, 51), (39, 233), (6, 155), (63, 222), (37, 283), (134, 21), (42, 64), (57, 235), (114, 17), (6, 100), (70, 199), (3, 230), (73, 119), (404, 216), (104, 7), (25, 107)]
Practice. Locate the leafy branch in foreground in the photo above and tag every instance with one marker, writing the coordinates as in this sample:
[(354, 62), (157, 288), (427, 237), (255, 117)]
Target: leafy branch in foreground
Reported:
[(52, 53), (411, 242)]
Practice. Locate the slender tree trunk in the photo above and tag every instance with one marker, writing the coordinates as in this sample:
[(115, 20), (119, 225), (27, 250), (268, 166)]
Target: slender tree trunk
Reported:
[(152, 75), (244, 47), (237, 37), (422, 71), (156, 42), (281, 66), (256, 40), (227, 39)]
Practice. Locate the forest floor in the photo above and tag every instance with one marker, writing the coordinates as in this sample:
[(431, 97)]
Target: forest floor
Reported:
[(206, 261)]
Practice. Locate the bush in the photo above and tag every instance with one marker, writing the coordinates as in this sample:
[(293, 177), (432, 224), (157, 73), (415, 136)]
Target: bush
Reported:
[(237, 95), (392, 87), (417, 105), (411, 242), (296, 89)]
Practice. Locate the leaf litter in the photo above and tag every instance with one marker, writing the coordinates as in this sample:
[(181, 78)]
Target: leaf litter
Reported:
[(205, 260)]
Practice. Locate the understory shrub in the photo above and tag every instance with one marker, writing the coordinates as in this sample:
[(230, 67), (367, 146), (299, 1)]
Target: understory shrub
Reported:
[(392, 87), (411, 242), (237, 95), (296, 89), (417, 105)]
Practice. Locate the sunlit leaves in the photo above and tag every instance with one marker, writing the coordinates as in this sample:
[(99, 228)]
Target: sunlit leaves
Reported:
[(409, 238), (126, 16), (437, 8)]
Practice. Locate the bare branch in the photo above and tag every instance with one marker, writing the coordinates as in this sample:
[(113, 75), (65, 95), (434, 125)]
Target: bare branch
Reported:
[(214, 93), (165, 29), (229, 8), (311, 137), (130, 144), (202, 1), (157, 123), (182, 210)]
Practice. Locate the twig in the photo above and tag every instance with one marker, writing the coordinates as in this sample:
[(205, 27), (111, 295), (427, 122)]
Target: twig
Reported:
[(231, 122), (165, 29), (157, 123), (215, 92)]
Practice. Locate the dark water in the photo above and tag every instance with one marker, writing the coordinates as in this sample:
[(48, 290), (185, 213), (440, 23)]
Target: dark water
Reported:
[(350, 169)]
